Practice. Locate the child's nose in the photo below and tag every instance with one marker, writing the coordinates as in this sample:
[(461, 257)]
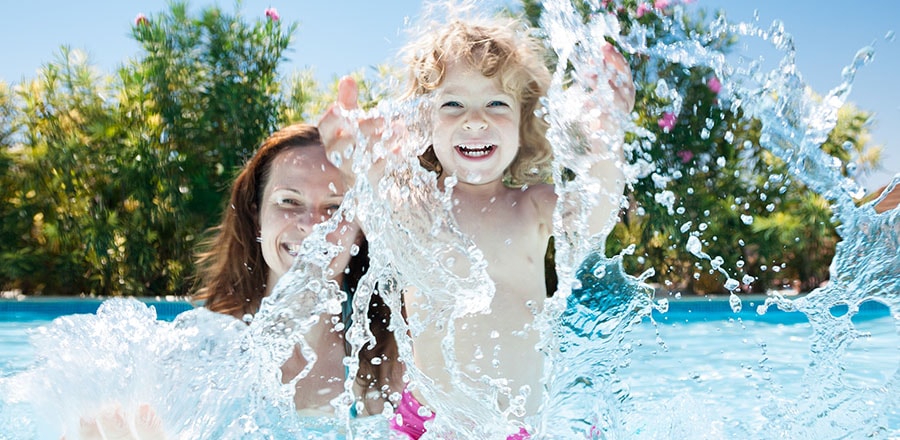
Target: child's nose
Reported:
[(475, 121)]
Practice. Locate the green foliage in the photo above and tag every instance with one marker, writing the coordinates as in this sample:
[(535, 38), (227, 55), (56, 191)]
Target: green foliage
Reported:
[(711, 179), (109, 182)]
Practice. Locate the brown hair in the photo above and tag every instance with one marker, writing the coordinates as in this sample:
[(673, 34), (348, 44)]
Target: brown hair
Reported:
[(232, 274), (500, 49)]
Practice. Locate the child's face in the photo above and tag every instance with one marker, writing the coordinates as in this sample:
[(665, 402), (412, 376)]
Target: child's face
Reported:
[(476, 126), (303, 189)]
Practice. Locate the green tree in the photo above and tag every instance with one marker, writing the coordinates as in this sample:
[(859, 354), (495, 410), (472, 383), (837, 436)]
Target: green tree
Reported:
[(112, 179), (710, 179)]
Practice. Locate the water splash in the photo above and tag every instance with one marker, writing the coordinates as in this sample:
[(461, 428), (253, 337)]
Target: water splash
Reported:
[(212, 377)]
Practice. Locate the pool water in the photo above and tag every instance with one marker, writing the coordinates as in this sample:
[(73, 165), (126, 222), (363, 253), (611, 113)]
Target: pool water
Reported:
[(696, 371), (18, 318), (720, 378)]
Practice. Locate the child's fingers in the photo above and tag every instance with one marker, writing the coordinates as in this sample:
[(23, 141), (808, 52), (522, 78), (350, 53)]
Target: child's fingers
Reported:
[(620, 78), (371, 128), (88, 429), (148, 424), (348, 93), (331, 126), (114, 425)]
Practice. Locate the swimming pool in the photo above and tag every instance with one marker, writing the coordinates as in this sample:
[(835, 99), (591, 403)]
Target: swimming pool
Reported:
[(18, 317), (699, 370)]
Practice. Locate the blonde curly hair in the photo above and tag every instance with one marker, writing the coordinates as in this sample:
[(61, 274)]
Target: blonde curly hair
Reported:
[(502, 48)]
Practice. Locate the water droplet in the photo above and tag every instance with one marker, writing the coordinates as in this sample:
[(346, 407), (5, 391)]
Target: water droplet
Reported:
[(732, 284), (747, 220), (335, 158), (694, 246), (735, 302), (685, 227), (748, 279), (720, 161)]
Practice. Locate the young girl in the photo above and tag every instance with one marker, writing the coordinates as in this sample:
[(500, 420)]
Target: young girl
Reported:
[(484, 81)]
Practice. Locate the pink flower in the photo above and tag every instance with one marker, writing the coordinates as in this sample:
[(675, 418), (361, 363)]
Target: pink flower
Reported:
[(272, 13), (641, 10), (685, 156), (141, 20), (714, 85), (661, 4), (605, 3), (667, 122)]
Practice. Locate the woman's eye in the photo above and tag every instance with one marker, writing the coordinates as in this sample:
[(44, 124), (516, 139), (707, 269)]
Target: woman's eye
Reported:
[(288, 202), (330, 210)]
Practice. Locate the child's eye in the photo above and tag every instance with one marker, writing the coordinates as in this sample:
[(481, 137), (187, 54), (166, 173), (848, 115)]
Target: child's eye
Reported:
[(498, 104), (451, 104)]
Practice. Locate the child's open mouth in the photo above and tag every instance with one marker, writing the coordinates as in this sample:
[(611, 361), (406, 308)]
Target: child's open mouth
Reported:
[(475, 151)]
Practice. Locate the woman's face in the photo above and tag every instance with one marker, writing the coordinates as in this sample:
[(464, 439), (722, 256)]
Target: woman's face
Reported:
[(303, 189)]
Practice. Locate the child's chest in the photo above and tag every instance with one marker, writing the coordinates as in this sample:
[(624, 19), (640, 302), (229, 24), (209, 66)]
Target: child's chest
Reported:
[(513, 241)]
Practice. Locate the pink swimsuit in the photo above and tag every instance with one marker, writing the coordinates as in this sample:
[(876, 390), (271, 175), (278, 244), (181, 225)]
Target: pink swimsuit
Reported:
[(412, 422)]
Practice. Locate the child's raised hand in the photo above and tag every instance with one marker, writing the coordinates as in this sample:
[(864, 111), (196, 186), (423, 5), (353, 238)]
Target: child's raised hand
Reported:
[(340, 132), (620, 80), (336, 130)]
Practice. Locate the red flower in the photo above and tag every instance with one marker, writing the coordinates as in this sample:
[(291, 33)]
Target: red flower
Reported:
[(714, 85), (141, 20), (272, 13), (641, 10), (667, 121)]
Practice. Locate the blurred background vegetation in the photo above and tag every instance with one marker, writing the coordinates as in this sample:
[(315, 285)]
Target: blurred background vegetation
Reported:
[(109, 181)]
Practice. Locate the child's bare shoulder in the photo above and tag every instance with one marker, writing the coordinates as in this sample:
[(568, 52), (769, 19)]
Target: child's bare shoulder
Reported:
[(541, 196)]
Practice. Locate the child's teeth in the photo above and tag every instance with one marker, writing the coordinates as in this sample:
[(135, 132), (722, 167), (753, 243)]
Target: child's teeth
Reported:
[(475, 150)]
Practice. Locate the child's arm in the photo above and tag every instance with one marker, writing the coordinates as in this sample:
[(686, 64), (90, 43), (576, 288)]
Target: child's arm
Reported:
[(609, 145)]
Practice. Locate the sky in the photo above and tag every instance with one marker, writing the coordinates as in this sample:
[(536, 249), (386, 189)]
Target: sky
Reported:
[(336, 37)]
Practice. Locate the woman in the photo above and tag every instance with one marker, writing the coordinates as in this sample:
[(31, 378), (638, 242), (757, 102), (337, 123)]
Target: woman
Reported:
[(285, 189)]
